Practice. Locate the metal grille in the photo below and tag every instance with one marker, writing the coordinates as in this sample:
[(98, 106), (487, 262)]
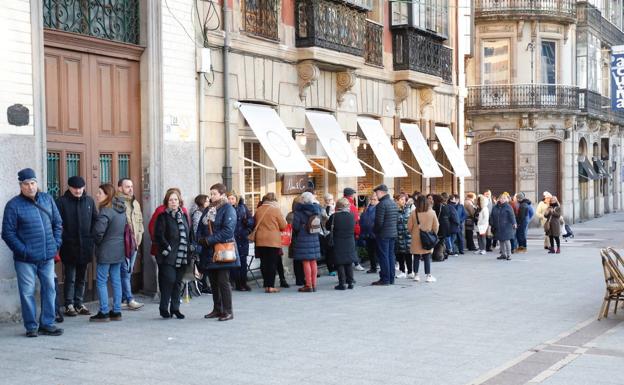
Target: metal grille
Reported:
[(105, 19), (373, 47), (262, 18), (106, 168), (123, 161), (548, 167), (413, 50), (54, 174), (72, 164), (497, 167), (526, 8), (522, 96)]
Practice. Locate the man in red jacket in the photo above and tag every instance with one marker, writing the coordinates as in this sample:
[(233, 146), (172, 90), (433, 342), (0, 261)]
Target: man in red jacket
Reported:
[(349, 193)]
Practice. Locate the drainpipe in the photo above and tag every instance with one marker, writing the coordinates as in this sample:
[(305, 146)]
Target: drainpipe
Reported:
[(574, 164), (227, 165), (202, 139)]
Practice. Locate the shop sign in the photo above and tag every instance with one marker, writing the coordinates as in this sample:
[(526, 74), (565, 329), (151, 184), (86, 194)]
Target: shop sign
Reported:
[(617, 77), (295, 184)]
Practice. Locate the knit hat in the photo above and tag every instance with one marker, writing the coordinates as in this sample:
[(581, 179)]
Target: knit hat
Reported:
[(76, 182), (547, 194), (348, 191), (26, 174), (520, 196)]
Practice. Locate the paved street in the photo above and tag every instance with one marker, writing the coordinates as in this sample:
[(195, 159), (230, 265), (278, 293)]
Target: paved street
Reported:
[(484, 321)]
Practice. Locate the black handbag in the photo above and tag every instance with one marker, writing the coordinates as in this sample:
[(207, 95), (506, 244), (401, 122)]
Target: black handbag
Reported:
[(439, 252), (428, 239)]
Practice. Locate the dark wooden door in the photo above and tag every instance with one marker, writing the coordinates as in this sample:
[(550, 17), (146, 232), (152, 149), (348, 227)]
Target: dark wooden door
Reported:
[(497, 167), (548, 168)]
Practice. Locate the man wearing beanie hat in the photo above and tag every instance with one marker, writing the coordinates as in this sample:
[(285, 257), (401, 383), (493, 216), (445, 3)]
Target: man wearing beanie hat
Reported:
[(31, 227), (78, 212), (349, 193)]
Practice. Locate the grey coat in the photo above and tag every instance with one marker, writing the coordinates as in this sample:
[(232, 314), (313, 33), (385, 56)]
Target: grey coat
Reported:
[(108, 233)]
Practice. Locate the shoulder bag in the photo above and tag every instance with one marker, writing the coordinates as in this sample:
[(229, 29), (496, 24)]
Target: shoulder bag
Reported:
[(252, 235), (330, 235), (428, 239), (223, 252)]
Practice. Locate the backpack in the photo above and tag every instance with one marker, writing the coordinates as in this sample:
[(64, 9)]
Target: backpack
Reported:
[(530, 213), (314, 224)]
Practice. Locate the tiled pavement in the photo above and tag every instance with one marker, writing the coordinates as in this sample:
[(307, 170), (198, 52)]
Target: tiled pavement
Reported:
[(484, 321)]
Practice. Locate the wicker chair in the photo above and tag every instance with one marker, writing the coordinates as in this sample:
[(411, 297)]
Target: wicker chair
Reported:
[(614, 282)]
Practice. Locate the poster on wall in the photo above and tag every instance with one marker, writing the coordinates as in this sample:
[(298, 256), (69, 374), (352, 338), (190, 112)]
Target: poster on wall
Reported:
[(617, 77)]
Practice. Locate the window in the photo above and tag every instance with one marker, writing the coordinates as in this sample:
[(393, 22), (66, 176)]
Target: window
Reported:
[(427, 15), (262, 18), (72, 162), (399, 11), (123, 162), (54, 174), (106, 168), (495, 62), (252, 174)]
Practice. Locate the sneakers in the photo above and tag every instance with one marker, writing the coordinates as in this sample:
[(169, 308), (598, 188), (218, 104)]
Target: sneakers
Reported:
[(99, 317), (477, 252), (70, 311), (482, 252), (50, 331), (359, 267), (521, 249), (401, 274), (430, 278), (371, 271), (82, 310), (332, 274), (32, 333), (114, 316), (134, 305), (417, 278), (411, 276)]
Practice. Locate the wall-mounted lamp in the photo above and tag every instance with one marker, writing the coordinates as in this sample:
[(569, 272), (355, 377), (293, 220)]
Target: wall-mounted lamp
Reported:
[(469, 137), (398, 141), (299, 136), (433, 143), (354, 139)]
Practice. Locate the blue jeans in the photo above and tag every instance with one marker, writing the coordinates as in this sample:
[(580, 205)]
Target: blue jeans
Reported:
[(386, 259), (449, 242), (103, 271), (427, 260), (126, 276), (521, 234), (26, 274)]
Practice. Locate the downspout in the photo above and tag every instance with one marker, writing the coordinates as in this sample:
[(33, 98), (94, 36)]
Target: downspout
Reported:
[(574, 164), (202, 137), (227, 165)]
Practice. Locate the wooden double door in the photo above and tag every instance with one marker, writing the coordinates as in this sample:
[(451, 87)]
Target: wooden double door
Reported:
[(93, 121)]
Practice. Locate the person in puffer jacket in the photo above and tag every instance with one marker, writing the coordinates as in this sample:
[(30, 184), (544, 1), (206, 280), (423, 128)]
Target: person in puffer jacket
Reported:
[(32, 227), (386, 217), (404, 239)]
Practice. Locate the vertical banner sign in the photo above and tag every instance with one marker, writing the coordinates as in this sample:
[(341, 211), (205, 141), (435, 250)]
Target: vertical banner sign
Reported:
[(617, 77)]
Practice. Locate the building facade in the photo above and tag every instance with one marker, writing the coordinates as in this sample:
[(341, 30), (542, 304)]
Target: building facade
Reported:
[(538, 102)]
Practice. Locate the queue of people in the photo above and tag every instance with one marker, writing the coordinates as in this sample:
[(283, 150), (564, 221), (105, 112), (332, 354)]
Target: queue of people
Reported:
[(212, 241)]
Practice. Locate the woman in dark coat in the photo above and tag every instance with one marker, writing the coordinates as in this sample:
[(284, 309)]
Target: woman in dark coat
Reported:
[(367, 233), (173, 235), (553, 225), (404, 239), (217, 225), (307, 244), (343, 253), (503, 224), (444, 216), (244, 226)]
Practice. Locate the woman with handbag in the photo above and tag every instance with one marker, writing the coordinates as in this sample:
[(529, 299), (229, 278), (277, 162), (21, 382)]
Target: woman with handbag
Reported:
[(307, 244), (482, 215), (244, 226), (219, 254), (552, 227), (341, 241), (403, 242), (423, 226), (267, 238), (108, 234), (173, 235)]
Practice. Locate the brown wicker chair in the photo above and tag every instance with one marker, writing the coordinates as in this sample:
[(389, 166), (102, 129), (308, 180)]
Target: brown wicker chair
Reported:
[(614, 282)]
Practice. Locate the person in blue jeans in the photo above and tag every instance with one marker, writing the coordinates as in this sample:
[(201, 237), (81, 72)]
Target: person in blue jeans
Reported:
[(386, 232), (31, 227), (134, 216), (108, 234), (454, 225), (525, 214)]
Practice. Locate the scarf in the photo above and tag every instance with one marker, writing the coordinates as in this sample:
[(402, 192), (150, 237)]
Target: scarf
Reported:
[(346, 209), (183, 246), (211, 213)]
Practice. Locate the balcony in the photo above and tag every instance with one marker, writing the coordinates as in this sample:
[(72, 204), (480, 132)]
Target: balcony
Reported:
[(373, 46), (597, 106), (418, 52), (591, 17), (552, 10), (333, 25), (262, 18), (522, 97), (116, 20)]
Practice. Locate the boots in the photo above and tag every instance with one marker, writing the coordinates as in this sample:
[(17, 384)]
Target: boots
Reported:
[(558, 251), (551, 250)]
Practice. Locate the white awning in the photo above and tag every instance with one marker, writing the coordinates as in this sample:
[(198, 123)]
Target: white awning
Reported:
[(421, 151), (335, 144), (275, 139), (380, 143), (452, 151)]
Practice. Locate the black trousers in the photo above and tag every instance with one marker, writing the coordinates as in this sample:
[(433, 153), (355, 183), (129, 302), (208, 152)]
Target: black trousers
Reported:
[(170, 283), (405, 260), (299, 274), (469, 235), (371, 250), (74, 279), (269, 257), (221, 290), (280, 268), (345, 274)]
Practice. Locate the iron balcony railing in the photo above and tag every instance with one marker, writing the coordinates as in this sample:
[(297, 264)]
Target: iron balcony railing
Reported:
[(557, 9), (262, 18), (412, 50), (590, 16), (598, 106), (116, 20), (330, 24), (522, 97), (373, 46)]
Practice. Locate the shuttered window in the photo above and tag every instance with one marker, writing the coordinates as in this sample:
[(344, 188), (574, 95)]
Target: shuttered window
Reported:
[(548, 171), (497, 167)]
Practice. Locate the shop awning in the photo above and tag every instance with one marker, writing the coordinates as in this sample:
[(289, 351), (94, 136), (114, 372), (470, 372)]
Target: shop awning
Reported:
[(600, 169), (452, 151), (335, 144), (275, 139), (380, 143), (586, 170), (421, 151)]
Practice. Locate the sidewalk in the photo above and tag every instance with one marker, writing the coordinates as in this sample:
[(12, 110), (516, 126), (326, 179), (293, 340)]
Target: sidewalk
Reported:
[(484, 321)]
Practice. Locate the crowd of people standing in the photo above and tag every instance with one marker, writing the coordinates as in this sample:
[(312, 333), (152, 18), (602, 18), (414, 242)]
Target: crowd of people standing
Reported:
[(211, 242)]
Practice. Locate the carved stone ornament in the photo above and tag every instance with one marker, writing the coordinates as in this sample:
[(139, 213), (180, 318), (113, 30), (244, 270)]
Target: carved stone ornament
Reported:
[(605, 127), (344, 82), (568, 122), (520, 29), (594, 125), (426, 99), (523, 122), (534, 25), (484, 135), (542, 135), (307, 73), (532, 121), (581, 124), (401, 92)]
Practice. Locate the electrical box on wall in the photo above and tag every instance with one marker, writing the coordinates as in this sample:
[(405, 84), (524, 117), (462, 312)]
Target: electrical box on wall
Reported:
[(203, 60)]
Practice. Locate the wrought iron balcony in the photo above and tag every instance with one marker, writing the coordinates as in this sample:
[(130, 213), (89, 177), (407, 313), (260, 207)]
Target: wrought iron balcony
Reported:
[(591, 17), (597, 106), (522, 97), (330, 24), (373, 46), (116, 20), (559, 10), (261, 18), (414, 51)]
